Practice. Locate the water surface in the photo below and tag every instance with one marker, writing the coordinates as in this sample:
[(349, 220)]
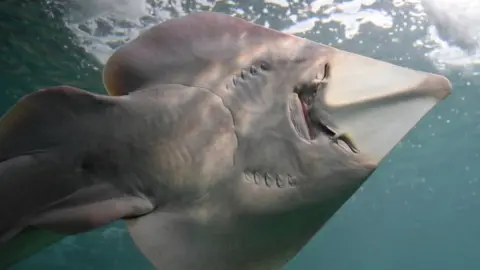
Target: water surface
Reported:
[(420, 208)]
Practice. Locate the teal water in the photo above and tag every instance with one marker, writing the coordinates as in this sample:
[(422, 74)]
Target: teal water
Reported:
[(418, 211)]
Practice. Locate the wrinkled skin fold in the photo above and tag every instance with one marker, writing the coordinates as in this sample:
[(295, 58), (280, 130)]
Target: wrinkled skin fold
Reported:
[(223, 144)]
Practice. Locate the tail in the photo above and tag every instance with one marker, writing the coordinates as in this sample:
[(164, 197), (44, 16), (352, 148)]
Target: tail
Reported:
[(60, 166)]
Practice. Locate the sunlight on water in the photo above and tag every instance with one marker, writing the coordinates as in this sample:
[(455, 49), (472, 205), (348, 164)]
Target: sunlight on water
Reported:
[(456, 23), (452, 30), (451, 27), (102, 26)]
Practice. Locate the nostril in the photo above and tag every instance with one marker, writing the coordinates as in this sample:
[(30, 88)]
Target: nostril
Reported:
[(326, 72), (305, 89), (306, 93)]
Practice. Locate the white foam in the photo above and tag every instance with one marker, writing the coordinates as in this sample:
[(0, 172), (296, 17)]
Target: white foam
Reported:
[(454, 38), (103, 25), (282, 3)]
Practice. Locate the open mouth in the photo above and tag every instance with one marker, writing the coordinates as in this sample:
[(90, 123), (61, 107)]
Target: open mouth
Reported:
[(312, 122)]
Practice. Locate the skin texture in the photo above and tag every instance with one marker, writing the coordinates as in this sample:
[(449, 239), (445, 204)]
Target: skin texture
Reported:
[(203, 145)]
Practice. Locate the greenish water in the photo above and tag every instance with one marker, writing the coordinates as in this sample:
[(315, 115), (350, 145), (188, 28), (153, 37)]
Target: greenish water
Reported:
[(418, 211)]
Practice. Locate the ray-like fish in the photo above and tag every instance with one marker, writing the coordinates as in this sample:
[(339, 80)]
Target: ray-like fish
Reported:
[(223, 144)]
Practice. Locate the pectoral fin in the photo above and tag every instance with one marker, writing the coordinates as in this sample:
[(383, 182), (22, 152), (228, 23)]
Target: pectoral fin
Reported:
[(173, 241), (61, 165)]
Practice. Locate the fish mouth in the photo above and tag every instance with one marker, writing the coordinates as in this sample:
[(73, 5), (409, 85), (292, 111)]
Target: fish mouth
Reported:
[(364, 105), (310, 123)]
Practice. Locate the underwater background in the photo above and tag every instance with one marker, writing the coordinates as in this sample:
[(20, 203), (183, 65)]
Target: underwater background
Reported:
[(420, 210)]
